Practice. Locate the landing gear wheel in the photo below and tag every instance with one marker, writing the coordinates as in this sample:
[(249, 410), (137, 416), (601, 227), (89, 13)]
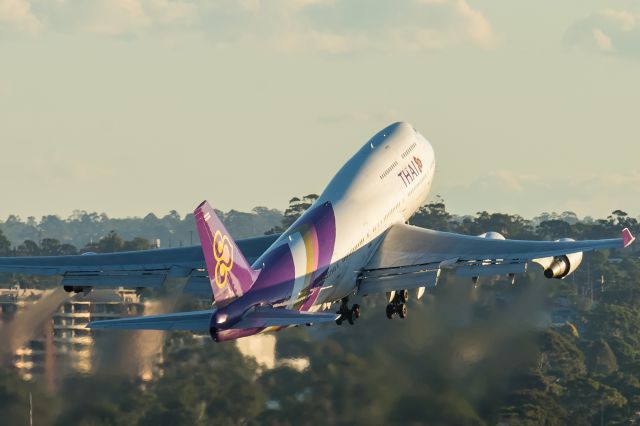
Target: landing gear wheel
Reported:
[(390, 311), (403, 296), (402, 310), (356, 311), (349, 314), (350, 317)]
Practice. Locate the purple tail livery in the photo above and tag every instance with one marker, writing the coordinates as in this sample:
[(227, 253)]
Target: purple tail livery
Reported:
[(230, 274)]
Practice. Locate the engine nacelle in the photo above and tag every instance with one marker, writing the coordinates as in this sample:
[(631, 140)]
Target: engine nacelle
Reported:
[(561, 267), (492, 235)]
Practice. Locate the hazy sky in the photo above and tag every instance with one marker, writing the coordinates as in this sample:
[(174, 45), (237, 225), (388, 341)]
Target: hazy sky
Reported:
[(131, 106)]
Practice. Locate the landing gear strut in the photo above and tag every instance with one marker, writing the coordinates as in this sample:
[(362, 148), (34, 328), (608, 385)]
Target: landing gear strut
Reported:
[(398, 305), (346, 313)]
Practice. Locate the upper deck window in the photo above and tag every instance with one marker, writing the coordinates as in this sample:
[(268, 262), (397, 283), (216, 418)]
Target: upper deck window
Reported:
[(408, 150), (388, 170)]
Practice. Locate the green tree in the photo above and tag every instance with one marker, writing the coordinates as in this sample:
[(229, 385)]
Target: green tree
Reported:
[(110, 243), (138, 243), (587, 399), (204, 384), (101, 400), (14, 401), (28, 248), (601, 359), (559, 357), (554, 229), (433, 215), (5, 245), (297, 206), (53, 247), (532, 407)]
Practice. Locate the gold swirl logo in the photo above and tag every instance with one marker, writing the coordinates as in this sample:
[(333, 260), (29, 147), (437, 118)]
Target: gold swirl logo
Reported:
[(223, 254), (418, 163)]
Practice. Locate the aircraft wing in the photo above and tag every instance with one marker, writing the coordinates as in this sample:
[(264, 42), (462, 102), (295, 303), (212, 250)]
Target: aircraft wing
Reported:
[(410, 256), (146, 268), (192, 321), (266, 316), (257, 317)]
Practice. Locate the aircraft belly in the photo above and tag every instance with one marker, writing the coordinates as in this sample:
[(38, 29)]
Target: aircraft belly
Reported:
[(346, 276)]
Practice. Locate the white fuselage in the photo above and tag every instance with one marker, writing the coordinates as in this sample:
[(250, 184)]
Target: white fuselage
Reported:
[(383, 184)]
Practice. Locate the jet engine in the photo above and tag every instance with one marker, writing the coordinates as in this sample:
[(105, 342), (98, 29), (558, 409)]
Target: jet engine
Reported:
[(560, 267)]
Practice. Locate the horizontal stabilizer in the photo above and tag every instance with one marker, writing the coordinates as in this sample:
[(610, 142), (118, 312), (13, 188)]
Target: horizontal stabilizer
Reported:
[(265, 316), (194, 321)]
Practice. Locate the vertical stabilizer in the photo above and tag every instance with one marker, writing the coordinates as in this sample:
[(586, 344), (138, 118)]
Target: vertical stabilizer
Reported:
[(230, 274)]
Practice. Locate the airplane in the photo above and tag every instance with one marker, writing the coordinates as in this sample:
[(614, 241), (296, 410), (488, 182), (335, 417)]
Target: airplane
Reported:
[(353, 240)]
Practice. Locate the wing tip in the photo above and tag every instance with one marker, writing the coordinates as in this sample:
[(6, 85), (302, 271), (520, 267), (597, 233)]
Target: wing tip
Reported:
[(100, 324), (627, 237)]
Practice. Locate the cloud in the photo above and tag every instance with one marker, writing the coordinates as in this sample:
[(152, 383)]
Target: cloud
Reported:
[(477, 26), (432, 24), (341, 26), (17, 16), (607, 31), (174, 12), (310, 40), (286, 26), (602, 40), (116, 17)]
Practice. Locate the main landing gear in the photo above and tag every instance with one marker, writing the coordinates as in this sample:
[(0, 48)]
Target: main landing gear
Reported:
[(346, 313), (398, 304)]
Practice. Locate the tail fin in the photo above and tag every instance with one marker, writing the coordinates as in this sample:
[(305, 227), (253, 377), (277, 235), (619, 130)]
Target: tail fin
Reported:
[(229, 272)]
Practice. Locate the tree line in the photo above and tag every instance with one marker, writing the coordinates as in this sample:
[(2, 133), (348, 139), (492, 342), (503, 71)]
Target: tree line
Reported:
[(464, 356), (173, 230)]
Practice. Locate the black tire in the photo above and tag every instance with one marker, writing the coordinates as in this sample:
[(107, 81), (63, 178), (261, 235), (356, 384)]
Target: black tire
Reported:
[(356, 311), (390, 311), (339, 321), (402, 310), (403, 295)]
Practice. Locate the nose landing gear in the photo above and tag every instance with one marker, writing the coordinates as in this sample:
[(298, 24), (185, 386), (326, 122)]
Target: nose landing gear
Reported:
[(346, 313), (398, 305)]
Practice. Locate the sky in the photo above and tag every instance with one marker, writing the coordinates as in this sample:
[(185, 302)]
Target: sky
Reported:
[(136, 106)]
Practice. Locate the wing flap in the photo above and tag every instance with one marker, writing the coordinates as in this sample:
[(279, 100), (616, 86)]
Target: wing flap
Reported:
[(265, 316), (192, 321), (398, 279), (481, 269), (114, 280)]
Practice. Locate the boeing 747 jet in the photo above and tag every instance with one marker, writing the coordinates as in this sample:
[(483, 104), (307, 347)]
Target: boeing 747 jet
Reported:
[(353, 240)]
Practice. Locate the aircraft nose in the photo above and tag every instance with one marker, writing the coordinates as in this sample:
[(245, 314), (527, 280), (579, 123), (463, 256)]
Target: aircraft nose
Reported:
[(398, 130), (396, 127)]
